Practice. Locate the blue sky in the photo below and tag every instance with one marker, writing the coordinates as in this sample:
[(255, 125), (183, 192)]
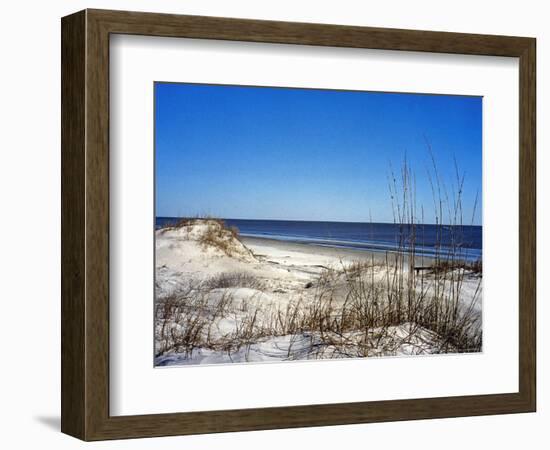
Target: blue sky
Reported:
[(302, 154)]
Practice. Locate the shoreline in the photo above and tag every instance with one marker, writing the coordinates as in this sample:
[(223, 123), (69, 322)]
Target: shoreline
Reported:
[(267, 247)]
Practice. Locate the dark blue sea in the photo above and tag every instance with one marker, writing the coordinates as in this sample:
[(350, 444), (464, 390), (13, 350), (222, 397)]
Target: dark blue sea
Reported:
[(380, 237)]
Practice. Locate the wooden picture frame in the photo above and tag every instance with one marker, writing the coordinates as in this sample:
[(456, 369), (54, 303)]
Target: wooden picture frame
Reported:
[(85, 224)]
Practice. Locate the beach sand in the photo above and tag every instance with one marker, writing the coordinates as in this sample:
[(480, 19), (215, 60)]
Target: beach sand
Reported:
[(270, 277), (284, 252)]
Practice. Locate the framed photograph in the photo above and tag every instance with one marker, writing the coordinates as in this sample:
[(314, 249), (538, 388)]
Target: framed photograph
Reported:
[(273, 225)]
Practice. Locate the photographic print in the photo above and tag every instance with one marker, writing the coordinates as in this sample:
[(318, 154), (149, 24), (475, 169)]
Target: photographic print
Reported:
[(305, 224)]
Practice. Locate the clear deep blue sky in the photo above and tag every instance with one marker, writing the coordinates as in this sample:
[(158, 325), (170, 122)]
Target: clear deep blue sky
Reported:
[(301, 154)]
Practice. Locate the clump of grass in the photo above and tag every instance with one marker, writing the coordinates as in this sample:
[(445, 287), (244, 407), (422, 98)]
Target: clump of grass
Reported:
[(180, 321), (185, 320), (234, 279), (219, 236)]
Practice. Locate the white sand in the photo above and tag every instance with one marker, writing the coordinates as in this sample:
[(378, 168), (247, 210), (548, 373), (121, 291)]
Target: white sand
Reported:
[(285, 272)]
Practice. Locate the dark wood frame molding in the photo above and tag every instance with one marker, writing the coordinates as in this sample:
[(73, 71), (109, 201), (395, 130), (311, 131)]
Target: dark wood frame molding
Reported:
[(85, 224)]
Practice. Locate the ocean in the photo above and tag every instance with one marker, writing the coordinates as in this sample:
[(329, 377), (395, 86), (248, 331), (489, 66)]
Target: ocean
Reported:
[(379, 237)]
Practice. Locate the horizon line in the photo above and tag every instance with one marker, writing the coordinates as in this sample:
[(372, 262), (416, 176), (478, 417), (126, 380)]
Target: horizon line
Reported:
[(326, 221)]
